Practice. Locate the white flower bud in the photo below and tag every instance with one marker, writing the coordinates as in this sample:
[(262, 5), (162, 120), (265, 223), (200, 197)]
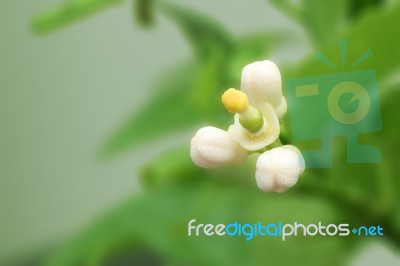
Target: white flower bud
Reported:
[(261, 81), (278, 169), (212, 147), (265, 136)]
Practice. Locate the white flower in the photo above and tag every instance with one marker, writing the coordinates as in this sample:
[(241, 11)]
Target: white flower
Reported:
[(265, 136), (278, 169), (213, 147), (261, 81), (258, 106)]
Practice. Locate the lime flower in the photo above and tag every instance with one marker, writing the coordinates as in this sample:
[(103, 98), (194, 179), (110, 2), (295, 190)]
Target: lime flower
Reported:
[(257, 108), (254, 128), (213, 147), (279, 169)]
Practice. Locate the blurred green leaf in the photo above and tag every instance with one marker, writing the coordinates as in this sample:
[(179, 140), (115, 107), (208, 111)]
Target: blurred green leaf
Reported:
[(388, 142), (175, 167), (158, 221), (212, 47), (144, 13), (71, 11), (357, 7), (206, 37), (170, 110), (371, 190), (322, 20)]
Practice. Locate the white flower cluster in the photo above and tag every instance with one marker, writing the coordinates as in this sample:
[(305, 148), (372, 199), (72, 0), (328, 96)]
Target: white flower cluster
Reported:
[(258, 106)]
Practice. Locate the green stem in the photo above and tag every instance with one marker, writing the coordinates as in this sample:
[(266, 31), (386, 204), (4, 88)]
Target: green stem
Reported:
[(275, 144)]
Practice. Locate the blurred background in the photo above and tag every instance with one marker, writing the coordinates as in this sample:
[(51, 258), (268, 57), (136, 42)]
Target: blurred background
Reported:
[(89, 168)]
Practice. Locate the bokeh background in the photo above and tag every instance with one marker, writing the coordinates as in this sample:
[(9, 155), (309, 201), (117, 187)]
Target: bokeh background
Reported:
[(92, 174)]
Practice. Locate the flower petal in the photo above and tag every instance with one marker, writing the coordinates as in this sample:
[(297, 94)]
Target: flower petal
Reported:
[(278, 169), (262, 82), (213, 147)]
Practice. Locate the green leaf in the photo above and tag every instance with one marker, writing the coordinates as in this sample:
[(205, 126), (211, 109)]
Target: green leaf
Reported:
[(169, 110), (175, 167), (207, 38), (388, 142), (212, 47), (322, 20), (157, 221), (171, 168), (70, 12), (358, 7)]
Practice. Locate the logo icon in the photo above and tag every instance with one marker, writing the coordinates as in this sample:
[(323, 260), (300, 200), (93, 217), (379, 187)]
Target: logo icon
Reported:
[(338, 104)]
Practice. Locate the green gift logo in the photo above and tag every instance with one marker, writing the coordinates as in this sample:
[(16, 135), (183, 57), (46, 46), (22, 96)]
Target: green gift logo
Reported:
[(340, 104)]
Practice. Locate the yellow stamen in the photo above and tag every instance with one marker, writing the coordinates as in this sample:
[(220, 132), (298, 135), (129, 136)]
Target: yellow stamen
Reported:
[(235, 101)]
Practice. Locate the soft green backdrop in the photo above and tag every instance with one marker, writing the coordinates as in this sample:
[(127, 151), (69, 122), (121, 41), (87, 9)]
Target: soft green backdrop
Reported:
[(64, 94)]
